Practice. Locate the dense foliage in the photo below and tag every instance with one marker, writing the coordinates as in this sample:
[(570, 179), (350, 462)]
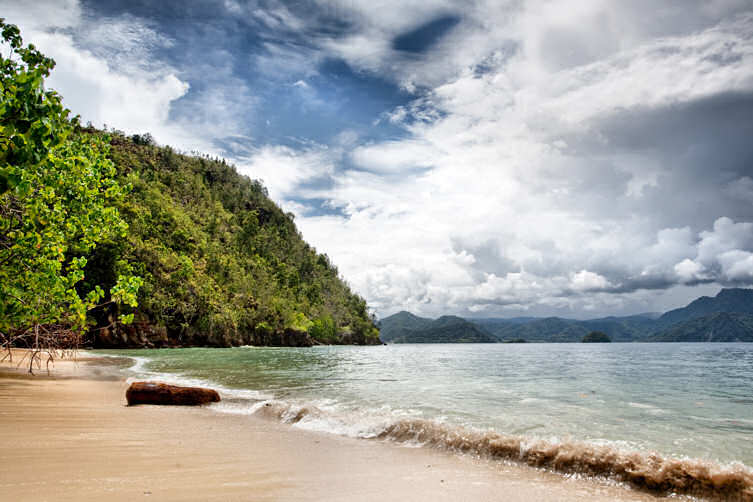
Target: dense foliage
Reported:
[(222, 264), (87, 218), (57, 203)]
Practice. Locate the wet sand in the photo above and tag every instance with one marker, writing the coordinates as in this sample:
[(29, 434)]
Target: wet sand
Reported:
[(70, 436)]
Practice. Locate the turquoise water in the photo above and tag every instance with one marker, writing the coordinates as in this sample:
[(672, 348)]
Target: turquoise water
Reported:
[(692, 401)]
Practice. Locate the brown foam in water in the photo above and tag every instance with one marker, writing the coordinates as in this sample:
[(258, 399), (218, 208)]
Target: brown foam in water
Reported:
[(648, 471), (645, 471)]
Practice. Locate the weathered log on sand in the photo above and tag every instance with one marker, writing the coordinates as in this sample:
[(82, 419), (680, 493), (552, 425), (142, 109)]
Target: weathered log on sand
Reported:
[(162, 393)]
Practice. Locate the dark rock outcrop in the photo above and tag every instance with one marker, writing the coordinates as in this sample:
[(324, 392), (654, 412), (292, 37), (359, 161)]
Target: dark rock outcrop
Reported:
[(138, 334), (161, 393), (285, 338), (143, 334)]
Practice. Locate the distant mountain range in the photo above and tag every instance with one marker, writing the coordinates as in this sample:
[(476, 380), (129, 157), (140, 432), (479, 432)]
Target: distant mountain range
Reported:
[(727, 317), (716, 327), (405, 327)]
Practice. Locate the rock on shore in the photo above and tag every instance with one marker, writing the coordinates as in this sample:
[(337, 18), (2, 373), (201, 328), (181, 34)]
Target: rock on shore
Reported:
[(161, 393)]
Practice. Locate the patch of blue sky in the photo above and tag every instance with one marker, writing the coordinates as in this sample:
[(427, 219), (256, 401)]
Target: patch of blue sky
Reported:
[(218, 54)]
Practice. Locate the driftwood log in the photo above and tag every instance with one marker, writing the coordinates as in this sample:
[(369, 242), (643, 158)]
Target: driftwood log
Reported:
[(162, 393)]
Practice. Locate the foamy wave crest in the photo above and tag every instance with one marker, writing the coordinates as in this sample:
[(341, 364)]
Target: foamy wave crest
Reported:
[(645, 471), (326, 418), (139, 365), (648, 471)]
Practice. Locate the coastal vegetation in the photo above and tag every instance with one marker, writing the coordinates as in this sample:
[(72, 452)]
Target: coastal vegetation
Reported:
[(134, 244), (58, 203), (221, 263)]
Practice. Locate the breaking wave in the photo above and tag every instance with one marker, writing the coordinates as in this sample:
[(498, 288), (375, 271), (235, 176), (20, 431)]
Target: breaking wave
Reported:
[(647, 471)]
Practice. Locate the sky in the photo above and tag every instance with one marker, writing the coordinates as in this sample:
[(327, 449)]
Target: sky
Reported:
[(484, 158)]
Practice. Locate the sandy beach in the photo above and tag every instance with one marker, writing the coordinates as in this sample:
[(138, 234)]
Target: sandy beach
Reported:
[(70, 436)]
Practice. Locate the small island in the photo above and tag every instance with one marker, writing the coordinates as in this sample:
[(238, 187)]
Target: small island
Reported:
[(596, 337)]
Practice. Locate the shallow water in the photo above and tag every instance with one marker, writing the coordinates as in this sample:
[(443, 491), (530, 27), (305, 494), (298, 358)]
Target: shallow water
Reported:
[(684, 401)]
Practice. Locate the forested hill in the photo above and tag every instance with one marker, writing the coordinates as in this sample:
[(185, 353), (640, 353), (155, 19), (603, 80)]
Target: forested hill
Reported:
[(405, 327), (716, 327), (222, 264), (736, 300)]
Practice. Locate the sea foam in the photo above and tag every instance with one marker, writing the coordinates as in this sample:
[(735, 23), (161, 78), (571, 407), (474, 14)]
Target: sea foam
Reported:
[(648, 471), (643, 470)]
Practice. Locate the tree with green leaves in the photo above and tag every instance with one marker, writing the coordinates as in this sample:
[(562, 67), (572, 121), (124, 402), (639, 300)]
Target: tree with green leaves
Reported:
[(58, 199)]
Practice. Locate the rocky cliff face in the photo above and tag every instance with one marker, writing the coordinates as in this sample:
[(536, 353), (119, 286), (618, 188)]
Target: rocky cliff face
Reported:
[(135, 335), (143, 334)]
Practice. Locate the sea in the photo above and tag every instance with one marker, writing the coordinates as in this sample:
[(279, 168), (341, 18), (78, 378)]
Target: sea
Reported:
[(668, 417)]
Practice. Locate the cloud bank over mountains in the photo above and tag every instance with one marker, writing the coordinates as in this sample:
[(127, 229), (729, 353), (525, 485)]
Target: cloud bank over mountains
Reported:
[(476, 158)]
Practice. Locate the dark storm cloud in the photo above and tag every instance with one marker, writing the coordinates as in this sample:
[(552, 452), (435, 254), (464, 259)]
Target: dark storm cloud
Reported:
[(487, 256), (697, 149), (421, 39)]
